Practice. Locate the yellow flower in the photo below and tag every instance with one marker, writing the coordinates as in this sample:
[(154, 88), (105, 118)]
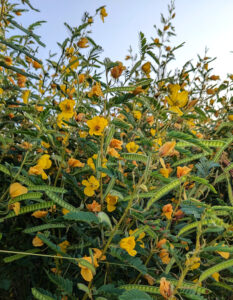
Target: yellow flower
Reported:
[(177, 99), (153, 131), (44, 162), (193, 263), (137, 114), (82, 134), (82, 43), (96, 90), (91, 184), (117, 70), (103, 13), (140, 237), (64, 245), (98, 254), (97, 125), (72, 162), (65, 211), (8, 60), (129, 244), (168, 149), (67, 108), (85, 272), (37, 242), (1, 91), (216, 275), (37, 170), (16, 207), (44, 144), (39, 214), (132, 147), (113, 152), (164, 254), (94, 206), (165, 288), (17, 189), (69, 51), (81, 78), (225, 255), (230, 117), (74, 62), (167, 211), (181, 171), (90, 161), (165, 172), (36, 65), (25, 96), (111, 202), (116, 144), (90, 20), (146, 68)]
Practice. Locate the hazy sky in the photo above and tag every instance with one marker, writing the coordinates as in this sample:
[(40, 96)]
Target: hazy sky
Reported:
[(198, 23)]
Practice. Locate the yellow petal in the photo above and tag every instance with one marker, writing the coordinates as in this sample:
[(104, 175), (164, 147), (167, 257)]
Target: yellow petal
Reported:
[(16, 189), (225, 255), (88, 191), (176, 109), (182, 98), (86, 274), (216, 276), (16, 208)]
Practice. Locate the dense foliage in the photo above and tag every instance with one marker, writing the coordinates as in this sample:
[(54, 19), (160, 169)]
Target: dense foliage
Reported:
[(116, 178)]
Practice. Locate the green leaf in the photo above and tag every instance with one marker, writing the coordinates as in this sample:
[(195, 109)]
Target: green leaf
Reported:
[(27, 196), (227, 143), (17, 70), (40, 296), (19, 256), (43, 227), (165, 189), (47, 188), (121, 124), (64, 284), (109, 187), (20, 49), (28, 32), (134, 156), (84, 288), (134, 295), (104, 219), (60, 201), (189, 159), (203, 181), (29, 208), (217, 268), (218, 248), (51, 245), (143, 288), (82, 216)]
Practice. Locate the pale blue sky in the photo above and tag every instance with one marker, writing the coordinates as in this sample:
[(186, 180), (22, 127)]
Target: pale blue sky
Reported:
[(199, 23)]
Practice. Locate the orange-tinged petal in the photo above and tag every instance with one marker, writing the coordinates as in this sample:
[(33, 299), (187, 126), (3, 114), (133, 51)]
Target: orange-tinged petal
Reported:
[(87, 274), (167, 149), (16, 207), (37, 242), (176, 109), (182, 98), (216, 276), (40, 214), (16, 189)]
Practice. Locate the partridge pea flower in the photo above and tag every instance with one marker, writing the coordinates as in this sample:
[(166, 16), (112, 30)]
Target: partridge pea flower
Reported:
[(97, 125), (176, 99), (91, 184), (129, 244)]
